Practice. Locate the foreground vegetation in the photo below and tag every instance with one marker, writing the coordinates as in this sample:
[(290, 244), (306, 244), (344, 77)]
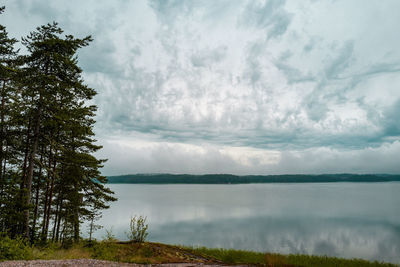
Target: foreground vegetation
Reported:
[(156, 253)]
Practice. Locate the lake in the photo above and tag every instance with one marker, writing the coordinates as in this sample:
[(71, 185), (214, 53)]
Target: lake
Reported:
[(348, 220)]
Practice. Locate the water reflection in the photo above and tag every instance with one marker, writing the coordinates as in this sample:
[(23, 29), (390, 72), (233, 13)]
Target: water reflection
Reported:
[(335, 237), (346, 220)]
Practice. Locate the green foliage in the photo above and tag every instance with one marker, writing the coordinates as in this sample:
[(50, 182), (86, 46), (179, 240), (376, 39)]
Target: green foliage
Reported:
[(138, 229), (105, 251), (14, 249)]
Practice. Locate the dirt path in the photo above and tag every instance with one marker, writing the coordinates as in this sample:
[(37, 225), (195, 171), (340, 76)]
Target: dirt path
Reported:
[(95, 263)]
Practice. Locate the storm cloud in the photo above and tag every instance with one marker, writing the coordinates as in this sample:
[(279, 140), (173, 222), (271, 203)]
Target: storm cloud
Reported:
[(245, 87)]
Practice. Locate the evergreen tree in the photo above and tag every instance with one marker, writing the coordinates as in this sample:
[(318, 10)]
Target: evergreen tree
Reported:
[(8, 116), (49, 179), (60, 109)]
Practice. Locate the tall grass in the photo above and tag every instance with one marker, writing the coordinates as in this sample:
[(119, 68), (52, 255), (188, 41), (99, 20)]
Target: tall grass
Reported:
[(317, 261), (230, 256)]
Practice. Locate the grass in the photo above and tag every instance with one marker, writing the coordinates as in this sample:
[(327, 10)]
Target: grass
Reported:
[(231, 256), (156, 253), (278, 260), (54, 251), (305, 260)]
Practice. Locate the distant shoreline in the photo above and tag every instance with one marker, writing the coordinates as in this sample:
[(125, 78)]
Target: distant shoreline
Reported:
[(248, 179)]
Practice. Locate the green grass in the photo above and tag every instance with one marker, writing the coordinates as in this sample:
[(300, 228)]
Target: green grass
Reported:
[(304, 260), (230, 256)]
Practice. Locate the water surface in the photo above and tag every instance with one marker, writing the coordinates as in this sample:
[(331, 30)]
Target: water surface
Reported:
[(337, 219)]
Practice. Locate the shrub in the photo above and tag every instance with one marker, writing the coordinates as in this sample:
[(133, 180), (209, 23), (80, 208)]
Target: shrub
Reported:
[(105, 250), (109, 236), (14, 249), (137, 229)]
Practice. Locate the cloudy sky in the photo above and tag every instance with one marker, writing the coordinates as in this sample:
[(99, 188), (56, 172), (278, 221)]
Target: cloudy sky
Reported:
[(242, 87)]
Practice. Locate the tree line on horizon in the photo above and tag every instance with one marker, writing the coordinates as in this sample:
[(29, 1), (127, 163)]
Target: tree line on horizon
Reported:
[(49, 179), (245, 179)]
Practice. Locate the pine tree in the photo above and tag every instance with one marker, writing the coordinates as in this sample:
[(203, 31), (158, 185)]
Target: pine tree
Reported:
[(60, 110), (53, 181), (8, 128)]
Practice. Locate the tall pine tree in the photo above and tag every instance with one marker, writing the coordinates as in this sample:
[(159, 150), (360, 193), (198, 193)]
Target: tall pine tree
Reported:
[(53, 181), (8, 128)]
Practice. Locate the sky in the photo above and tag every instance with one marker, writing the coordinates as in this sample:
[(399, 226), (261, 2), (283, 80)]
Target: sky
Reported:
[(241, 87)]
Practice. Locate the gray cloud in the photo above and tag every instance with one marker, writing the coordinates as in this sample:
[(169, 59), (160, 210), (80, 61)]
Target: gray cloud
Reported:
[(269, 15), (163, 158), (169, 11), (262, 75), (391, 122), (206, 58), (341, 62)]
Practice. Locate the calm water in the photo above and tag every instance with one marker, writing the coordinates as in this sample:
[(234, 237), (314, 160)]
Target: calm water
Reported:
[(338, 219)]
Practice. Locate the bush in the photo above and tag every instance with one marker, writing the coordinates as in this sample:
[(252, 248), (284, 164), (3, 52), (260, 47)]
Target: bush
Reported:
[(109, 236), (14, 249), (138, 229), (105, 250)]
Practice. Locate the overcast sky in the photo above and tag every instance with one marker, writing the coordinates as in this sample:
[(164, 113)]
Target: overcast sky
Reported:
[(242, 87)]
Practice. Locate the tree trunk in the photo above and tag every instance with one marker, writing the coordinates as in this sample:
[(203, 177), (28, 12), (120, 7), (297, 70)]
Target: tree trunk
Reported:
[(46, 199), (59, 221), (51, 194), (91, 229), (55, 219), (45, 207), (2, 135), (30, 167), (26, 154), (76, 225), (35, 213)]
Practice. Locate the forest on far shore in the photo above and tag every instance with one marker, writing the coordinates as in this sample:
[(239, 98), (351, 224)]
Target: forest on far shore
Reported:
[(246, 179)]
